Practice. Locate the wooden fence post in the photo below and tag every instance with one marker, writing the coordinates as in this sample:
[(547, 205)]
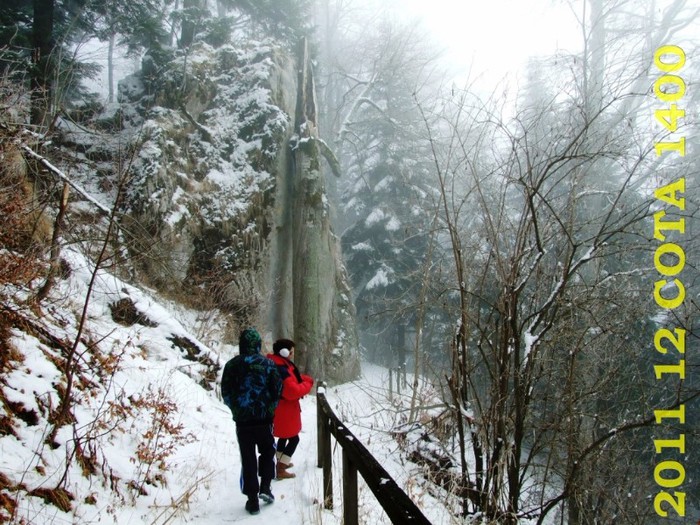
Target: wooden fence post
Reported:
[(357, 460), (325, 453), (321, 428), (327, 473), (350, 512)]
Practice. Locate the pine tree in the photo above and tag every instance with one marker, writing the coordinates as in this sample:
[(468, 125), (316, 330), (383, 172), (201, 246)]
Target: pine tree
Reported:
[(43, 33), (287, 20), (388, 204)]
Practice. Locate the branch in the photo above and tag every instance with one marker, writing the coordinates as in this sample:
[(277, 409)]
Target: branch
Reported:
[(330, 157), (595, 445), (77, 187), (206, 134)]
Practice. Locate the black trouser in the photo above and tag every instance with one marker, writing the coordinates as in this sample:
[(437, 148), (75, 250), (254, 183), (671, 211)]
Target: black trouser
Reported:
[(250, 437), (287, 446)]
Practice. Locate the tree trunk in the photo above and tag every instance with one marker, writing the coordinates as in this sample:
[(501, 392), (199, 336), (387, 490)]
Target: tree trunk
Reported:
[(42, 62), (221, 9), (110, 70), (324, 328), (595, 61), (401, 345), (54, 263), (173, 28), (189, 22), (311, 225)]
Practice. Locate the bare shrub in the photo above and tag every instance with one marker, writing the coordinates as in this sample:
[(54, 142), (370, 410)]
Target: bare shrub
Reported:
[(124, 312), (160, 440)]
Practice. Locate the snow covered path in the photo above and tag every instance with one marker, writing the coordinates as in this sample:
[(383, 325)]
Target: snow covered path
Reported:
[(220, 501), (154, 465), (361, 404)]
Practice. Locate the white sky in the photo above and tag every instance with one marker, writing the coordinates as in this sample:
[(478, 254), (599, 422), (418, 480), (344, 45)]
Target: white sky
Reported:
[(495, 38)]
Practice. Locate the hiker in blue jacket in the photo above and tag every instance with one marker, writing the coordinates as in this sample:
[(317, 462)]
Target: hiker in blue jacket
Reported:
[(251, 388)]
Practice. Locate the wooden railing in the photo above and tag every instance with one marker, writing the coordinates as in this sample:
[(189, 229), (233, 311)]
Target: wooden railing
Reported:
[(356, 458)]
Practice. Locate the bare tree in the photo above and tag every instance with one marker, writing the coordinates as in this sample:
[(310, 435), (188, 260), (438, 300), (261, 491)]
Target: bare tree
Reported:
[(547, 382), (546, 211), (43, 61)]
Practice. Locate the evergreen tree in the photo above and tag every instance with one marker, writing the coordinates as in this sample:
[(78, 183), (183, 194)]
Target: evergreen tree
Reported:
[(287, 20), (388, 204), (139, 24), (39, 36), (15, 36)]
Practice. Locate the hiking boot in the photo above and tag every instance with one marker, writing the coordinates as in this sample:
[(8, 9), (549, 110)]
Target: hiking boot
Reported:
[(252, 506), (283, 473), (267, 496), (285, 461)]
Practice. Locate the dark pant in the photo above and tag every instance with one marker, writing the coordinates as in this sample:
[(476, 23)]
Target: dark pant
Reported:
[(250, 437), (287, 446)]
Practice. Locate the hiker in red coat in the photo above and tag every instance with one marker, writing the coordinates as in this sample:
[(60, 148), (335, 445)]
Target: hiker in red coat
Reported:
[(287, 422)]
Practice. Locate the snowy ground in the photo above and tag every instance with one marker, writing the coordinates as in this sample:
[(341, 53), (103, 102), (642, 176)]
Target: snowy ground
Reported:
[(197, 480), (218, 500), (297, 500)]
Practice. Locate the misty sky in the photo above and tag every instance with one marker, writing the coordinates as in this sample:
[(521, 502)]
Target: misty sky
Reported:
[(495, 38)]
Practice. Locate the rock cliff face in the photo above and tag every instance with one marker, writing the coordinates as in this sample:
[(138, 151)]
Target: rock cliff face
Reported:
[(227, 197)]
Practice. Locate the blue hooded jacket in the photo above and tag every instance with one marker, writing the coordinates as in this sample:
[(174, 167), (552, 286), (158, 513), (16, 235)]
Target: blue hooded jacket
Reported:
[(250, 384)]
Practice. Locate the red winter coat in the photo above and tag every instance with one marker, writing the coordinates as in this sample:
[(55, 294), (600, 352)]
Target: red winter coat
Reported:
[(287, 422)]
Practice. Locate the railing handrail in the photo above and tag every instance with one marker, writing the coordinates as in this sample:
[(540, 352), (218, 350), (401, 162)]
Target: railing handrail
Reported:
[(398, 506)]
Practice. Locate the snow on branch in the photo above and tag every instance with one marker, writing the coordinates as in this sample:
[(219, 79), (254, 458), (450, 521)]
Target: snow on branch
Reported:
[(362, 99), (65, 178), (532, 339), (330, 157), (295, 142)]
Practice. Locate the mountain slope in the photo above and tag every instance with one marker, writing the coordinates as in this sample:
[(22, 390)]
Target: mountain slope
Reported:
[(148, 440)]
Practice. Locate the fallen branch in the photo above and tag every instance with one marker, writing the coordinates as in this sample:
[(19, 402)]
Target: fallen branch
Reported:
[(77, 187)]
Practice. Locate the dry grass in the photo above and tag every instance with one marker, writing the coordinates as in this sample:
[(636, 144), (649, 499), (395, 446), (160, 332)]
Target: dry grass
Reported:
[(8, 504), (58, 497)]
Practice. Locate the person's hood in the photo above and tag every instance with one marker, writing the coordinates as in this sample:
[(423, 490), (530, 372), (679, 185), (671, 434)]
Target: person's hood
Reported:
[(249, 342)]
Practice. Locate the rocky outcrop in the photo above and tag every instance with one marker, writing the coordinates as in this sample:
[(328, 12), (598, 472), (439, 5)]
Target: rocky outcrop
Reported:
[(227, 203), (203, 182)]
